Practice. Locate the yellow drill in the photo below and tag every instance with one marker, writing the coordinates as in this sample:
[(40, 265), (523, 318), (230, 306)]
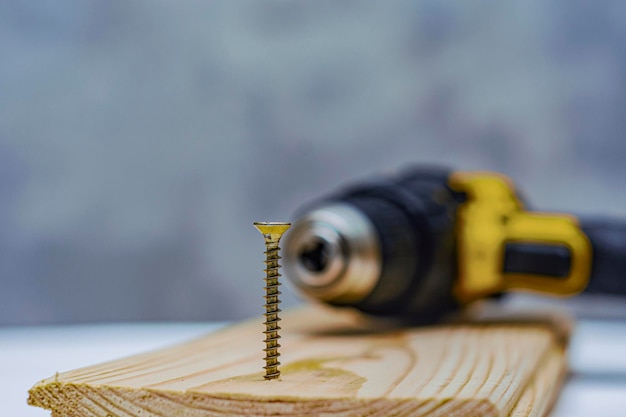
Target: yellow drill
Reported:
[(427, 241)]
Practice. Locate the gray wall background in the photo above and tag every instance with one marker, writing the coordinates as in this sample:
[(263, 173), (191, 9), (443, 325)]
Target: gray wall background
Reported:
[(140, 139)]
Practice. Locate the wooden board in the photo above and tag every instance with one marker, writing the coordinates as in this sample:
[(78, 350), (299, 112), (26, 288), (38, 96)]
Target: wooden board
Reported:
[(333, 365)]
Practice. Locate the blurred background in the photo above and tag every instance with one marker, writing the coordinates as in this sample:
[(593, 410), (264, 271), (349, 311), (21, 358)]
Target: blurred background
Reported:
[(140, 139)]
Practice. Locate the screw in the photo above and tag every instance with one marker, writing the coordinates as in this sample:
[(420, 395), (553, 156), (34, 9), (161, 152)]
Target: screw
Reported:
[(272, 232)]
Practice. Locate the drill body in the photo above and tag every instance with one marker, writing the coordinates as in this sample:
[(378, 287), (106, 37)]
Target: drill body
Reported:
[(428, 241)]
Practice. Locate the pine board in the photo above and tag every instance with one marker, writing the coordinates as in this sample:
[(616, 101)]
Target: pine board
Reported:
[(334, 364)]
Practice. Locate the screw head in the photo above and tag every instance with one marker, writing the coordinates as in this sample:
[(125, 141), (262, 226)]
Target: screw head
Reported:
[(274, 229)]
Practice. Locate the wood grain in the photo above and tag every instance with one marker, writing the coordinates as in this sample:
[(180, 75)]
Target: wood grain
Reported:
[(333, 365)]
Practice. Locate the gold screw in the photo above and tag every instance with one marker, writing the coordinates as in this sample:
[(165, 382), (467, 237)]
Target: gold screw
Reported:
[(272, 232)]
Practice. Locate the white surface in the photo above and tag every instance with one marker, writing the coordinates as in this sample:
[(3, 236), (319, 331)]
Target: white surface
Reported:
[(597, 386), (597, 382)]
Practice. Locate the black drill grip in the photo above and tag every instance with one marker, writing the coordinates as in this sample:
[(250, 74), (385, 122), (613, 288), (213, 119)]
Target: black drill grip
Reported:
[(608, 267)]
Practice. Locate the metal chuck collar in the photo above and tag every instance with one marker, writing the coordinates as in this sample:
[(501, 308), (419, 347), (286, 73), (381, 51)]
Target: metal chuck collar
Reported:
[(333, 254)]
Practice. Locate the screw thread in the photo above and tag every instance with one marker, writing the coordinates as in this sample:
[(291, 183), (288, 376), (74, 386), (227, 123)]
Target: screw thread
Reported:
[(271, 311)]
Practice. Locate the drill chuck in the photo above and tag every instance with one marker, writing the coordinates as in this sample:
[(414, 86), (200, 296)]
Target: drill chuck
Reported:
[(381, 246)]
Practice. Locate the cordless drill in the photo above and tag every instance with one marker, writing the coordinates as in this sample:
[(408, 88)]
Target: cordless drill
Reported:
[(428, 241)]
